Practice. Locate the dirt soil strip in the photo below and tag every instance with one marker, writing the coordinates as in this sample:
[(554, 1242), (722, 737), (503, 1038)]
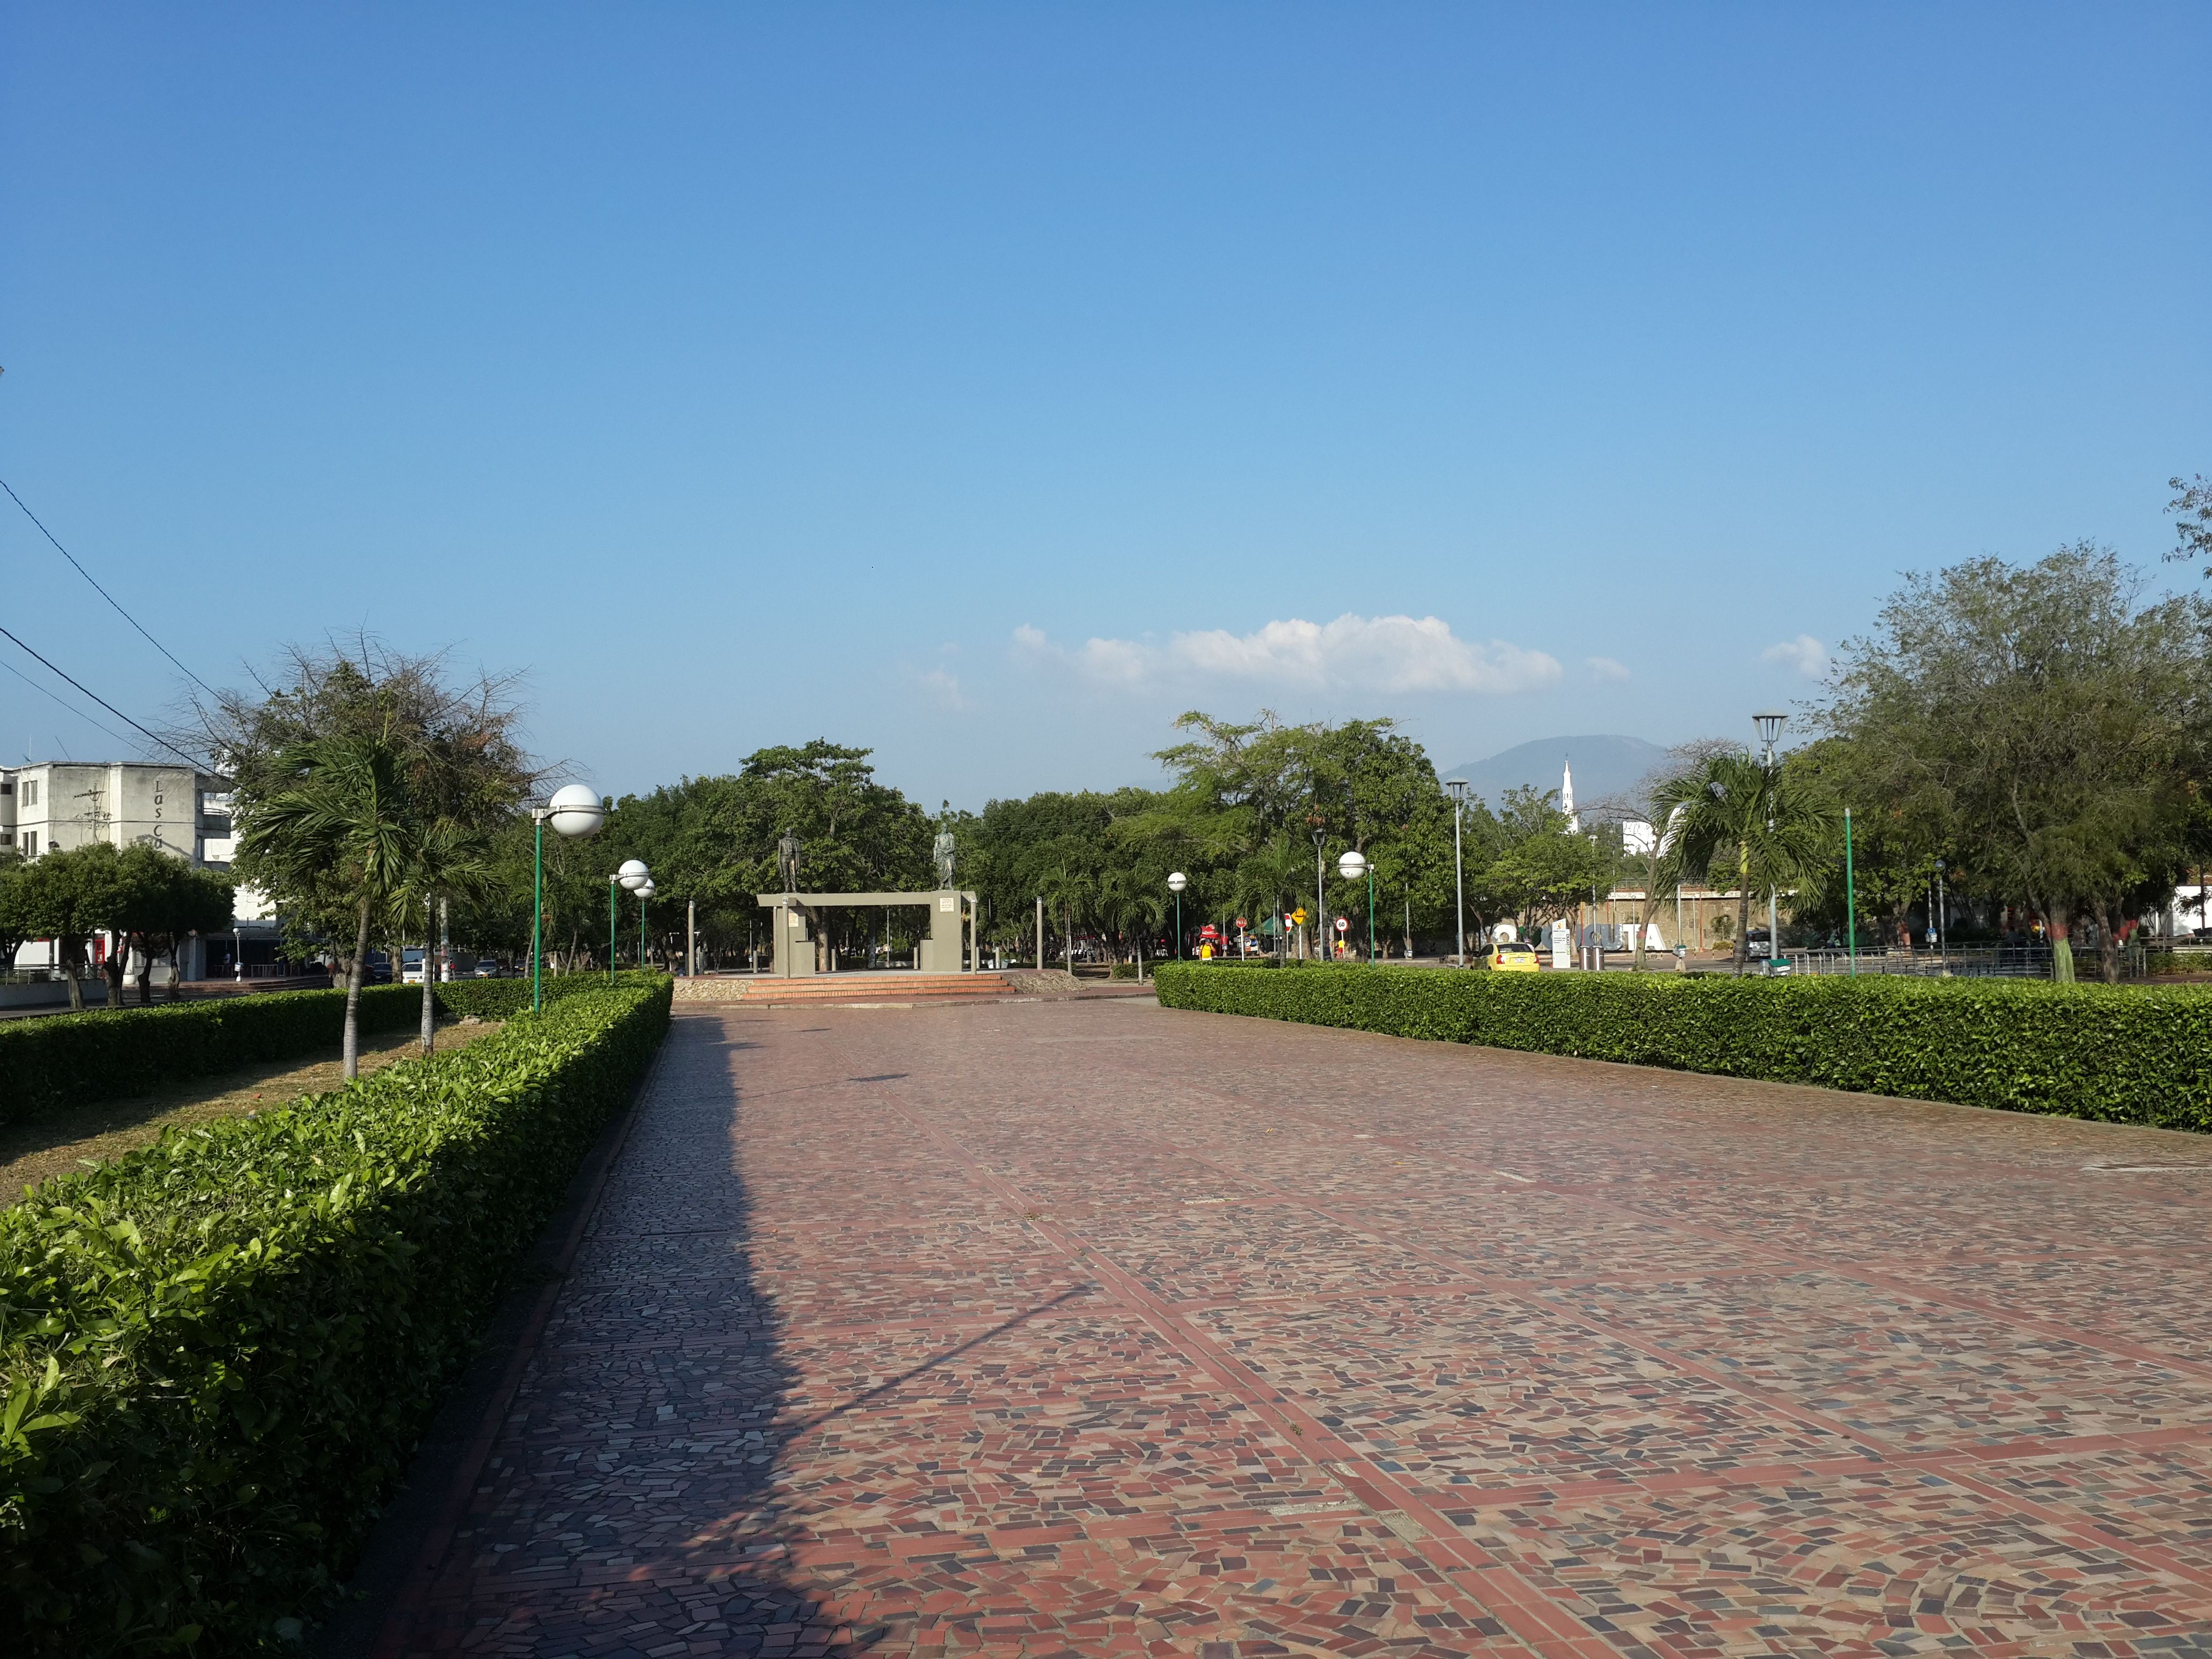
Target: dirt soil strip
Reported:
[(32, 1152)]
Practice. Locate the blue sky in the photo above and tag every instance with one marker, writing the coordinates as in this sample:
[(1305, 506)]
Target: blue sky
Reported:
[(987, 385)]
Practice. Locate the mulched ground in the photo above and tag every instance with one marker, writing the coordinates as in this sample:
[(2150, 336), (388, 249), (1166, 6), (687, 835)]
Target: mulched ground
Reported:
[(31, 1153)]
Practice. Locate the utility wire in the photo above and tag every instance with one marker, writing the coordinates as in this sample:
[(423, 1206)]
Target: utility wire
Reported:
[(109, 707), (104, 594), (49, 691)]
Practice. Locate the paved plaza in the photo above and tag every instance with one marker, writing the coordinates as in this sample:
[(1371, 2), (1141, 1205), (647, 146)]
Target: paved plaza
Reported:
[(1089, 1328)]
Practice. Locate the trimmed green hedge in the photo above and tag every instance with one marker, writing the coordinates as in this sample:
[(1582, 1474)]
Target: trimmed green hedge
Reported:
[(216, 1353), (2122, 1053), (60, 1060)]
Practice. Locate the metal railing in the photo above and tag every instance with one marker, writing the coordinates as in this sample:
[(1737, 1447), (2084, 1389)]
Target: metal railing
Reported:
[(1969, 962)]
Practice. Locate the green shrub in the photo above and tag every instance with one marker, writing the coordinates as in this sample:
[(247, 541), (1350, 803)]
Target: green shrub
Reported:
[(2123, 1054), (216, 1353), (60, 1060)]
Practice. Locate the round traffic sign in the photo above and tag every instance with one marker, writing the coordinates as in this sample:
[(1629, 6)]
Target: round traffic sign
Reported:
[(1341, 924)]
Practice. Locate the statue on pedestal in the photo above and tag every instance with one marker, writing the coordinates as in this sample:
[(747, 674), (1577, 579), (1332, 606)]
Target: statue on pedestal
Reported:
[(942, 851), (787, 861)]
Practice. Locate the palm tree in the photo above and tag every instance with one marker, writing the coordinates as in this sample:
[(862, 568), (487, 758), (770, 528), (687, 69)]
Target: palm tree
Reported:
[(344, 822), (1731, 813), (1067, 887), (448, 860)]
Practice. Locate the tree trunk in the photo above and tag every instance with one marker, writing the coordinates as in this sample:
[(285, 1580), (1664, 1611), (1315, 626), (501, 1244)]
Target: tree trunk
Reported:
[(1743, 908), (2061, 945), (112, 971), (429, 973), (71, 960), (2108, 946), (351, 1049)]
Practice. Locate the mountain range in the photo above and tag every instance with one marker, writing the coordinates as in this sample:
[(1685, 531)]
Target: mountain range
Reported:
[(1603, 766)]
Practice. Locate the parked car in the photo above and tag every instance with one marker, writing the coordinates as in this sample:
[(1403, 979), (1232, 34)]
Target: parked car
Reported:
[(1758, 945), (1514, 956)]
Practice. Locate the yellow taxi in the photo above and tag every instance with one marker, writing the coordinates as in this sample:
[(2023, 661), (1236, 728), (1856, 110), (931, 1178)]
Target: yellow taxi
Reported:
[(1513, 956)]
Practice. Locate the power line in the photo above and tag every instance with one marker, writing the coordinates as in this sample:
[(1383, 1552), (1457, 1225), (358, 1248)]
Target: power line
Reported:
[(104, 594), (48, 690), (110, 707)]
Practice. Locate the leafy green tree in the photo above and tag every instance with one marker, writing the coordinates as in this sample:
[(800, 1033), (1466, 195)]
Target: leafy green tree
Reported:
[(1538, 870), (15, 931), (1257, 791), (160, 900), (2046, 723), (63, 896)]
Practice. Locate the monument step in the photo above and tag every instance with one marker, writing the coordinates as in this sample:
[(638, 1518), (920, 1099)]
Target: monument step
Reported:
[(845, 987)]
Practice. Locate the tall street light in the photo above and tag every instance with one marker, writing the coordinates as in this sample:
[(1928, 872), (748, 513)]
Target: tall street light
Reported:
[(1177, 883), (644, 892), (1457, 789), (1353, 865), (1770, 728), (575, 810)]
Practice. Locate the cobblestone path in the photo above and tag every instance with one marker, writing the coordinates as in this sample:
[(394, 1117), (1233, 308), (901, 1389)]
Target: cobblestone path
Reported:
[(1093, 1328)]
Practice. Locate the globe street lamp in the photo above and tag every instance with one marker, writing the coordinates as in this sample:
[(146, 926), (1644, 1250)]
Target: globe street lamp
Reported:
[(575, 810), (1176, 882), (1353, 865), (1456, 787), (644, 892)]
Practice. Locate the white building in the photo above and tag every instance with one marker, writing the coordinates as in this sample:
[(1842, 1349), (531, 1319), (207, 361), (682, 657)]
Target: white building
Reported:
[(58, 805)]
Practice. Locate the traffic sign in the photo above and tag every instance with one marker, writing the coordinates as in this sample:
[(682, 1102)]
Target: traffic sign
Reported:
[(1298, 916), (1341, 924)]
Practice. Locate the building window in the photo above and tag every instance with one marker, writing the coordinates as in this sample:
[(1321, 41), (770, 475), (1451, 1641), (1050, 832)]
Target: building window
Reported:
[(7, 785), (30, 792)]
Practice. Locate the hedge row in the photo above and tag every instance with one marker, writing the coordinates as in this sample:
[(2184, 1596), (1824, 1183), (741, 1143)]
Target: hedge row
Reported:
[(60, 1060), (2122, 1053), (216, 1353)]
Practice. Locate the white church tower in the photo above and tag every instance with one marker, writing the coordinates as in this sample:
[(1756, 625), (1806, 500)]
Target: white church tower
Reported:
[(1567, 796)]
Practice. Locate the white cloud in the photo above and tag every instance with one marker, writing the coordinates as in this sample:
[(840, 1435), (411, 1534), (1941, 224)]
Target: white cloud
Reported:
[(943, 690), (1605, 668), (1804, 654), (1353, 652)]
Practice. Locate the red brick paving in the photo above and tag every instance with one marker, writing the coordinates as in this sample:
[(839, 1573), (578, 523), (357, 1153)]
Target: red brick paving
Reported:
[(1091, 1329)]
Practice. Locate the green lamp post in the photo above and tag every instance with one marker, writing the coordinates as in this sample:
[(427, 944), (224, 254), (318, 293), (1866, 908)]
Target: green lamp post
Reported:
[(1177, 883), (574, 811), (632, 876), (644, 893)]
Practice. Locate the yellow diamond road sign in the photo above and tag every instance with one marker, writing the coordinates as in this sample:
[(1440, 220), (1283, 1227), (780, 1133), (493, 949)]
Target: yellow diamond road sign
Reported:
[(1298, 916)]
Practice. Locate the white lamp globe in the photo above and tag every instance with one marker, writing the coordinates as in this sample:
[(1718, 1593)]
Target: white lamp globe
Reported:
[(645, 888), (1177, 881), (1352, 865), (575, 810), (633, 874)]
